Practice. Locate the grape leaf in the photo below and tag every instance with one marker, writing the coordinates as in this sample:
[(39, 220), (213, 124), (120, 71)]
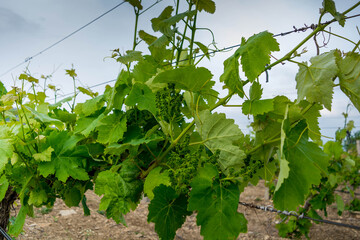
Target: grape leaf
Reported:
[(154, 179), (65, 116), (135, 3), (165, 14), (120, 189), (144, 69), (112, 128), (255, 53), (315, 82), (130, 56), (87, 91), (17, 226), (216, 205), (257, 107), (2, 89), (164, 22), (90, 106), (38, 196), (333, 149), (4, 184), (329, 6), (219, 133), (204, 49), (148, 38), (206, 5), (86, 125), (115, 95), (306, 163), (231, 76), (349, 76), (43, 117), (44, 156), (311, 117), (142, 95), (6, 148), (60, 103), (188, 78), (117, 149), (67, 158), (168, 211)]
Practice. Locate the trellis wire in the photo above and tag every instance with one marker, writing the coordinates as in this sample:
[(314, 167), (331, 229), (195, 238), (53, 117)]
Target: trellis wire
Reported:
[(294, 214)]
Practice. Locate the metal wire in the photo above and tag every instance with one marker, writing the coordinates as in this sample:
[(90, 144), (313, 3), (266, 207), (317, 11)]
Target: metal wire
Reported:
[(3, 232), (292, 213)]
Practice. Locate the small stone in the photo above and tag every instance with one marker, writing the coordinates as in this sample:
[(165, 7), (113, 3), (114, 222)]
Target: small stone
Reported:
[(65, 213)]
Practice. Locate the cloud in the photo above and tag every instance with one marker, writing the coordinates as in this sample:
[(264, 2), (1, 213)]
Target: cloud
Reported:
[(11, 22)]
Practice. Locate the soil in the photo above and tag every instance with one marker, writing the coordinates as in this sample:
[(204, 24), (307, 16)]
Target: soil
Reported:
[(70, 223)]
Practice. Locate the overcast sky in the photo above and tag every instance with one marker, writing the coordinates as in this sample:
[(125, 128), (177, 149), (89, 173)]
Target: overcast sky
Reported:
[(27, 27)]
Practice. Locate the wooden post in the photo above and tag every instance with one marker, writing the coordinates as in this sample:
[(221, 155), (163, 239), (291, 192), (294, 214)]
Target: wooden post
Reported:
[(358, 147)]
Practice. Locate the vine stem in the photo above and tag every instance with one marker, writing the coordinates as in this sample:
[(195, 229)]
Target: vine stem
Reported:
[(193, 30), (182, 134), (136, 26), (183, 38)]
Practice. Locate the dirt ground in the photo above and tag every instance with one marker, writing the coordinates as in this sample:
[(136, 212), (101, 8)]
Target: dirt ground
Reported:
[(70, 223)]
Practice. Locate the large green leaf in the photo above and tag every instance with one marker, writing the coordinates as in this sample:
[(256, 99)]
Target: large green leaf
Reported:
[(165, 14), (257, 107), (67, 158), (4, 184), (6, 148), (43, 117), (255, 53), (146, 37), (44, 156), (90, 106), (349, 76), (16, 227), (87, 125), (231, 76), (188, 78), (2, 89), (216, 205), (144, 69), (311, 117), (168, 211), (154, 179), (142, 95), (120, 189), (219, 133), (206, 5), (165, 21), (329, 6), (306, 162), (130, 56), (112, 128), (135, 3), (315, 82)]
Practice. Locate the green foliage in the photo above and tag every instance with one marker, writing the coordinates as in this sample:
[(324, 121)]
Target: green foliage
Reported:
[(216, 203), (155, 179), (255, 52), (220, 134), (67, 160), (168, 211), (315, 82), (306, 162), (350, 77)]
